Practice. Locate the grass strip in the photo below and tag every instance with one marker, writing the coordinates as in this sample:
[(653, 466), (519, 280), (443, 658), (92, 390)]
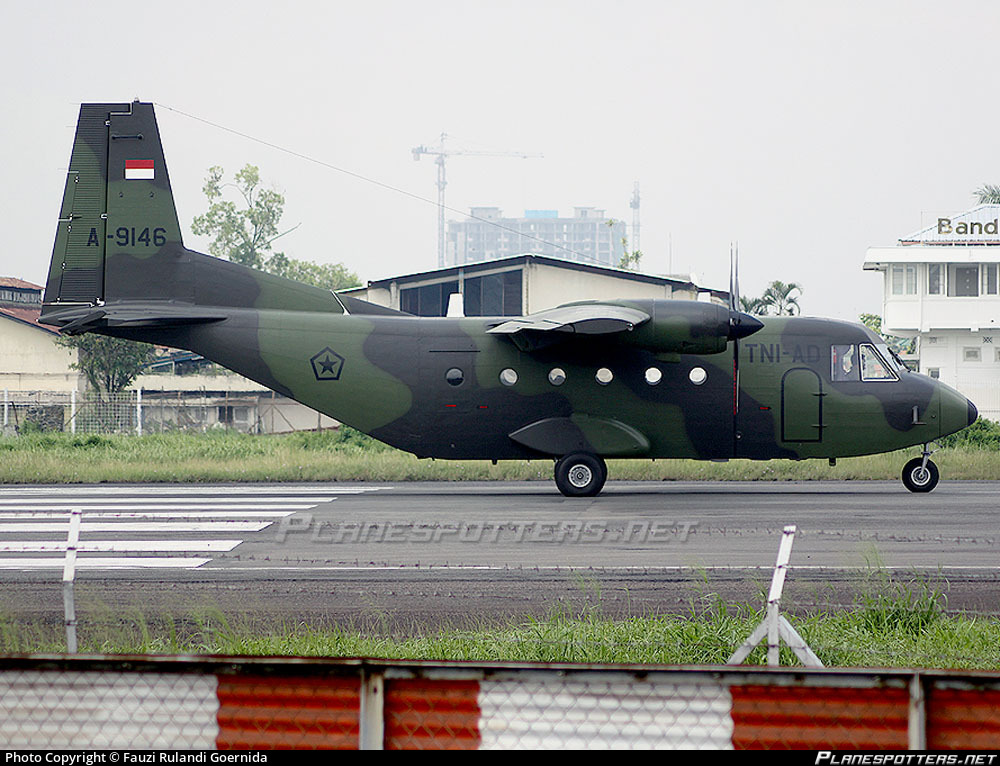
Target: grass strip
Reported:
[(346, 455), (890, 625)]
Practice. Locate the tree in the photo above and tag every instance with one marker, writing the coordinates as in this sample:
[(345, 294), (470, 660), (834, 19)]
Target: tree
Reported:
[(110, 364), (987, 194), (900, 345), (779, 297), (754, 306), (244, 230), (629, 260)]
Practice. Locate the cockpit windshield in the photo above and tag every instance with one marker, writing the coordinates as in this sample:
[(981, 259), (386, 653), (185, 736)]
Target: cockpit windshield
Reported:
[(892, 356), (865, 361), (875, 365)]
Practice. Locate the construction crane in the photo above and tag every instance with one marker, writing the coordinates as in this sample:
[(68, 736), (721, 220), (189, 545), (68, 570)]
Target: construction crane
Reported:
[(634, 204), (441, 152)]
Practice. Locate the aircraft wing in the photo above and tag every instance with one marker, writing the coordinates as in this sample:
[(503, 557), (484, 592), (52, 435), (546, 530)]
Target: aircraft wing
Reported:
[(660, 326), (586, 319)]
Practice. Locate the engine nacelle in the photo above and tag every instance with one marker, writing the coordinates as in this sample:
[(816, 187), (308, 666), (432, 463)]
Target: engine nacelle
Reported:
[(688, 327)]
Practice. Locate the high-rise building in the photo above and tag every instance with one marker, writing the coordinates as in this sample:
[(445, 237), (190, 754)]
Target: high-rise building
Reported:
[(588, 237)]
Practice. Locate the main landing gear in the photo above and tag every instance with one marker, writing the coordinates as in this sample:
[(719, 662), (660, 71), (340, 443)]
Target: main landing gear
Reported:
[(581, 474), (920, 474)]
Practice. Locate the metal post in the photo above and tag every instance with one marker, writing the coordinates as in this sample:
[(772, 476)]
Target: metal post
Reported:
[(138, 411), (371, 734), (69, 573), (917, 728), (72, 411), (776, 628), (774, 596), (6, 404)]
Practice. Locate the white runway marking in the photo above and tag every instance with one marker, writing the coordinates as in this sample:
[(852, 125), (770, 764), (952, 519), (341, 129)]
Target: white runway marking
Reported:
[(209, 506), (118, 546), (177, 513), (231, 502), (207, 489), (139, 526), (125, 562), (152, 515)]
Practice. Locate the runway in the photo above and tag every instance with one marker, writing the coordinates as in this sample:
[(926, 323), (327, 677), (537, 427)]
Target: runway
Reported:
[(454, 553)]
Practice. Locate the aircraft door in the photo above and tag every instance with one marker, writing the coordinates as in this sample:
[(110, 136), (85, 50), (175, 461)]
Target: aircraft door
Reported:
[(801, 406)]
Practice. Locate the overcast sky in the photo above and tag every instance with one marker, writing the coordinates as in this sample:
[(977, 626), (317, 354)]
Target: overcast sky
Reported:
[(807, 131)]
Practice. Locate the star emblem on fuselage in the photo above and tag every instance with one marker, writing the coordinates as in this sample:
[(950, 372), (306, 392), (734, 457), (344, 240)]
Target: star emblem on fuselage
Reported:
[(327, 364)]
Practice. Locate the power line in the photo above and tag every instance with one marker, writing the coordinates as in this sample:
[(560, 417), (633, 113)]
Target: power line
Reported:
[(360, 177)]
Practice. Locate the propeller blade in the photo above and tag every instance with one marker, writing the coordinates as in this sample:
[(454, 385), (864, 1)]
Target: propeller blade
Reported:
[(736, 279), (732, 281)]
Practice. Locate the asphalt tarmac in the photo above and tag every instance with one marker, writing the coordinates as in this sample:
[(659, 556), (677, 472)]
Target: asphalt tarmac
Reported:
[(434, 554)]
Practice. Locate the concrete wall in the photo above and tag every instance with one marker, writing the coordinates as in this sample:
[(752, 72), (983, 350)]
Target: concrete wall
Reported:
[(30, 360), (545, 287)]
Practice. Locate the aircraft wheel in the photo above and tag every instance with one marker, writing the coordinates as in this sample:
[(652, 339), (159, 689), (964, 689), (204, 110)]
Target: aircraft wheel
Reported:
[(918, 479), (581, 475)]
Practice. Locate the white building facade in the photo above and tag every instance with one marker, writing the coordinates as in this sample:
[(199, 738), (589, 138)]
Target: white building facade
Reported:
[(942, 286)]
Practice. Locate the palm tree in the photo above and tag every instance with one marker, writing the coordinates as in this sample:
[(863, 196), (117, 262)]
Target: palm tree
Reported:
[(778, 296), (755, 306), (988, 194)]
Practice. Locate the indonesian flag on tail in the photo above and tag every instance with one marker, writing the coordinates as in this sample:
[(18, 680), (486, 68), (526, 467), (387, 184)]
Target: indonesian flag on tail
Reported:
[(139, 170)]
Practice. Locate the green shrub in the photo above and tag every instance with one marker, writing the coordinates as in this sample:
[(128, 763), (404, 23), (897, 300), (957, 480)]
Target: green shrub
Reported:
[(983, 434)]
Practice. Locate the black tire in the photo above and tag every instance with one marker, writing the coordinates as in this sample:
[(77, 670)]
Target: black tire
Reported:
[(916, 479), (581, 475)]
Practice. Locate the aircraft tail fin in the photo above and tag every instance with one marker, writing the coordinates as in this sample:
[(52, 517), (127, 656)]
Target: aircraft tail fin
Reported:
[(118, 242), (117, 211)]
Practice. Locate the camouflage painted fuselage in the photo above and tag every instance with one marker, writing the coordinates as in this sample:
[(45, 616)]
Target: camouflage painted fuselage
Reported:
[(391, 382), (453, 388)]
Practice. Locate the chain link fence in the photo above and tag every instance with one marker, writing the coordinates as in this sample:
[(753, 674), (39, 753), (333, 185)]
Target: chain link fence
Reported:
[(145, 411), (241, 703)]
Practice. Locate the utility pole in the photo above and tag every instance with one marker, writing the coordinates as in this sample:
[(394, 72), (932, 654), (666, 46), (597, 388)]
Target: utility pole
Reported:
[(440, 152)]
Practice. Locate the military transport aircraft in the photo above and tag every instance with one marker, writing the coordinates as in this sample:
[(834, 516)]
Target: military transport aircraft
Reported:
[(577, 384)]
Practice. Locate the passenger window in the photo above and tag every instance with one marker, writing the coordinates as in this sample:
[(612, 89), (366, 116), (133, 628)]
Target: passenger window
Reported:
[(873, 366), (843, 363)]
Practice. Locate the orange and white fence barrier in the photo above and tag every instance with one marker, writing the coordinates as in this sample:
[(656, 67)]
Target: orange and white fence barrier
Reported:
[(242, 703)]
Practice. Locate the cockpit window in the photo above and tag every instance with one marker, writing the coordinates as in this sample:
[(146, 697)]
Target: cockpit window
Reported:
[(874, 366), (844, 363)]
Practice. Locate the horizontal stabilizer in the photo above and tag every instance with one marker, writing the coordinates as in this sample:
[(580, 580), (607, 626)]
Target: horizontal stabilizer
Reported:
[(86, 319)]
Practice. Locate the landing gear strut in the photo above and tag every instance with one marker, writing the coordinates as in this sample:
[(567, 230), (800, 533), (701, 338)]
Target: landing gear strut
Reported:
[(581, 475), (920, 474)]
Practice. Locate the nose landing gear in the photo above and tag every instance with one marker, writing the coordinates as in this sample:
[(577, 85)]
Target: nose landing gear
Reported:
[(921, 474)]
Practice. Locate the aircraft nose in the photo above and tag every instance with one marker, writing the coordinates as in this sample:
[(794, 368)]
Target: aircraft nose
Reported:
[(957, 412)]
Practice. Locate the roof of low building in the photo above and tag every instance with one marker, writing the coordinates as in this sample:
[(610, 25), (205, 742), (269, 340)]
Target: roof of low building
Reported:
[(515, 260), (15, 282), (26, 316)]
